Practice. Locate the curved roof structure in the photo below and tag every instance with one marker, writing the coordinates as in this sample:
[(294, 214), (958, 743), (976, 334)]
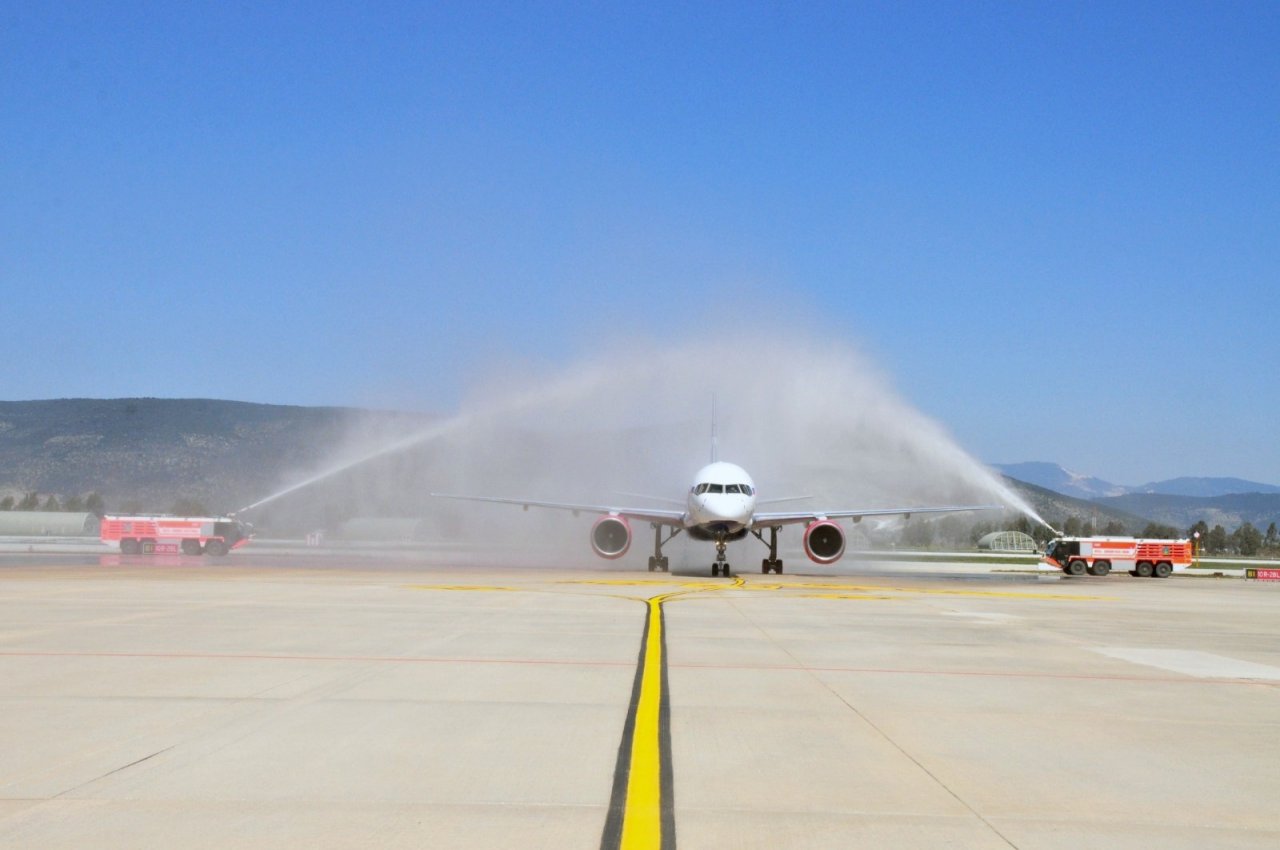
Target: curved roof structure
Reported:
[(1007, 541), (47, 524)]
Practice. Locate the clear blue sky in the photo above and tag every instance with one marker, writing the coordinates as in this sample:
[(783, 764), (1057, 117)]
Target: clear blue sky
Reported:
[(1056, 225)]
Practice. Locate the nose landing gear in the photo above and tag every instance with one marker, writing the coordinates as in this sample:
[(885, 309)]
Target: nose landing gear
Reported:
[(721, 566)]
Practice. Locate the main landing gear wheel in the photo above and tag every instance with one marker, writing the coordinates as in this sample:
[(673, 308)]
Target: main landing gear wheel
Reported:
[(659, 564), (657, 561), (773, 562)]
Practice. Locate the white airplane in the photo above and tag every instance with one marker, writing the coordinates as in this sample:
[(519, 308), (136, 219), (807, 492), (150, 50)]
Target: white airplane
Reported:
[(721, 507)]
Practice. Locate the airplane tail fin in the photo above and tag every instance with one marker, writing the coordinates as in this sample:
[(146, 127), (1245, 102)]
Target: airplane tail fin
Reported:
[(714, 448)]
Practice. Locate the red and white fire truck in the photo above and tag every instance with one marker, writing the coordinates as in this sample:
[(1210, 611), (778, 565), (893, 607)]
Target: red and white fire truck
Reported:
[(173, 535), (1100, 555)]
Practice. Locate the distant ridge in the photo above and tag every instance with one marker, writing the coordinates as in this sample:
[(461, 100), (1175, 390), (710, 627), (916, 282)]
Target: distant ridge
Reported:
[(1179, 502), (151, 451), (1055, 507), (1053, 477), (1229, 511), (1205, 487), (1061, 480)]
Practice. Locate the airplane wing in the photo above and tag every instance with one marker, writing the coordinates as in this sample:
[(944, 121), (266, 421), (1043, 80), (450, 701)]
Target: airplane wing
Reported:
[(776, 518), (655, 515)]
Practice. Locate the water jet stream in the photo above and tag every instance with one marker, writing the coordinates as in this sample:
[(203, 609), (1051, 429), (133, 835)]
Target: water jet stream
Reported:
[(561, 390)]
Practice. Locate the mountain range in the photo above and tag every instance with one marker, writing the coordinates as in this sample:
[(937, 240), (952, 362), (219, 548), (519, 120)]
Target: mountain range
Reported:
[(1180, 502), (1061, 480), (147, 453)]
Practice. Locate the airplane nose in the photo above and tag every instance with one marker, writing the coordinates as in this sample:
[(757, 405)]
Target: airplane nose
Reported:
[(723, 508)]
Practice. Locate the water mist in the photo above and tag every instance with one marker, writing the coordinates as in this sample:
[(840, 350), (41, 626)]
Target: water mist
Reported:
[(804, 418)]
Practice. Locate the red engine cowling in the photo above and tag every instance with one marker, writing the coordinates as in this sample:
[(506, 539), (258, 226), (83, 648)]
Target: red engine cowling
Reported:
[(611, 536), (824, 541)]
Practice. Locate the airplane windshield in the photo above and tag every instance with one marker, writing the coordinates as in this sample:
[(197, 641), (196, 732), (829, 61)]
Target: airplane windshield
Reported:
[(723, 488)]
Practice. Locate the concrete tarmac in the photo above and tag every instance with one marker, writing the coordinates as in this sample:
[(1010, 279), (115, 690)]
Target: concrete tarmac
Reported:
[(338, 701)]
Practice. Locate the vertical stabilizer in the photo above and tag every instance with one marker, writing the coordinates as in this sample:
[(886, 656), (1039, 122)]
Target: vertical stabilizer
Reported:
[(715, 454)]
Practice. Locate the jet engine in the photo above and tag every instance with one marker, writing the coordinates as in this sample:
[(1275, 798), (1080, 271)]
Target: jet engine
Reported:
[(824, 541), (611, 536)]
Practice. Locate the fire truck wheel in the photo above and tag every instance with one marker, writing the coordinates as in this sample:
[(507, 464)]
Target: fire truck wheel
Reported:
[(129, 546), (1163, 569), (1075, 568), (1143, 569), (190, 546), (1100, 568), (215, 548)]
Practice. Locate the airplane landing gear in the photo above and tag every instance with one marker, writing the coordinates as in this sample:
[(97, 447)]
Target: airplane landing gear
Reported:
[(658, 561), (773, 562), (721, 566)]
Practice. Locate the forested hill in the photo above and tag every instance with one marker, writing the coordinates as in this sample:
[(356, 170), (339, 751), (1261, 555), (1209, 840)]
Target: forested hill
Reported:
[(1229, 511), (146, 453)]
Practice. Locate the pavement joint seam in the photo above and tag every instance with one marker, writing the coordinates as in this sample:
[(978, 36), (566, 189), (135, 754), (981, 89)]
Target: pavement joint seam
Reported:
[(883, 735), (112, 772)]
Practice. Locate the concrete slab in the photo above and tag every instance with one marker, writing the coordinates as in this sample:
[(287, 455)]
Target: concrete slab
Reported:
[(298, 699)]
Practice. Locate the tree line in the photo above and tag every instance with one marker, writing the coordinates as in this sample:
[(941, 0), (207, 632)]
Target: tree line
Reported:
[(94, 503)]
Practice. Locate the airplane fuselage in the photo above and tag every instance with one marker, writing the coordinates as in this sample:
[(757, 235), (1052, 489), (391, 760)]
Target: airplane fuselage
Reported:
[(721, 502)]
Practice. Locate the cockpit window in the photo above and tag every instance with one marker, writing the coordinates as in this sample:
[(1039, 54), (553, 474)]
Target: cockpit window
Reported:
[(715, 488), (732, 488), (700, 489), (746, 488)]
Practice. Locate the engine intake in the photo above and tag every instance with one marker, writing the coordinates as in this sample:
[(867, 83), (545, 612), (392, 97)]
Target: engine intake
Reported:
[(824, 541), (611, 536)]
